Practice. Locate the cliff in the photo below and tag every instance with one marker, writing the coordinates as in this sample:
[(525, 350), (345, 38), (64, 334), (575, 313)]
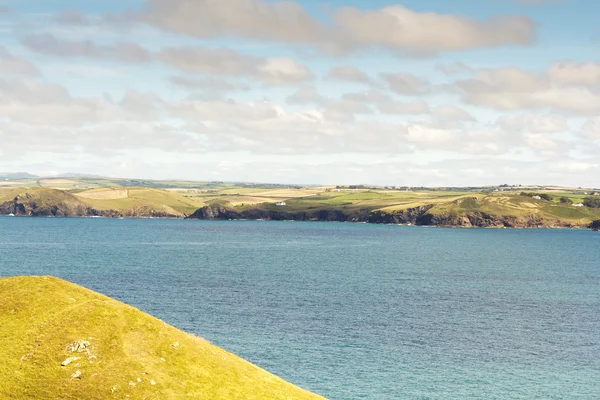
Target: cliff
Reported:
[(413, 216)]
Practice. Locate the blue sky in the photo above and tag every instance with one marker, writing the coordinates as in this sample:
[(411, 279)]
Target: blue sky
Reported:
[(380, 92)]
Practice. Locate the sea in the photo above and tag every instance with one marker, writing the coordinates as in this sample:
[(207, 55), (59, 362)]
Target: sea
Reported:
[(347, 310)]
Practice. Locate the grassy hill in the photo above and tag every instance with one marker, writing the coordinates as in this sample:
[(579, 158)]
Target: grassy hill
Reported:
[(118, 201), (112, 351), (130, 198)]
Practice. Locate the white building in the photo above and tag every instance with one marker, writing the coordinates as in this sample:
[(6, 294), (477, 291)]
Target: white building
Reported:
[(280, 203), (578, 205), (536, 197)]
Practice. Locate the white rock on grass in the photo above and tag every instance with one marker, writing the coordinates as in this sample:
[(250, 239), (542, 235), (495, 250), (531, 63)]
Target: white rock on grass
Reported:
[(69, 361), (76, 374)]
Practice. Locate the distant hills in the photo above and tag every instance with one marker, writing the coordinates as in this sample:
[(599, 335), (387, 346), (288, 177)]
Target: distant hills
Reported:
[(498, 208), (16, 175)]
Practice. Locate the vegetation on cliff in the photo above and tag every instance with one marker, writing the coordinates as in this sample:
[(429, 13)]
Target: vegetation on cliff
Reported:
[(60, 340)]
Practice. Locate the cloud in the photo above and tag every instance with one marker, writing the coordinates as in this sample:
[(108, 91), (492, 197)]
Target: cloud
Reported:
[(396, 27), (211, 85), (53, 105), (405, 83), (282, 71), (455, 68), (193, 59), (372, 96), (591, 129), (349, 74), (224, 61), (343, 110), (514, 89), (451, 113), (545, 145), (533, 123), (305, 95), (251, 19), (203, 60), (406, 108), (11, 64), (400, 28), (127, 52), (575, 73)]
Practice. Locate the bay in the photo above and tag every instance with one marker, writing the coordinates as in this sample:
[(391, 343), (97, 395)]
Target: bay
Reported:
[(350, 311)]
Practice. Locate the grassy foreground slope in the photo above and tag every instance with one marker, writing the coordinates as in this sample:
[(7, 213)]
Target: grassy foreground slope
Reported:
[(120, 352)]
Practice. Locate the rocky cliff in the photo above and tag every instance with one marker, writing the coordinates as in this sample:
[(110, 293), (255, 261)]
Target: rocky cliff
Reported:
[(413, 216)]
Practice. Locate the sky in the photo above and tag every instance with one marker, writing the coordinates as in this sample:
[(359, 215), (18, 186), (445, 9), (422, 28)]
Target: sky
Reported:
[(417, 93)]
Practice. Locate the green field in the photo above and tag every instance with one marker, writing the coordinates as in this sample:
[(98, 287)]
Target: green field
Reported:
[(115, 351)]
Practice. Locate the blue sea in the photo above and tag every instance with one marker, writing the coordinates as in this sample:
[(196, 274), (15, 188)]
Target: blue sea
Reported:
[(350, 311)]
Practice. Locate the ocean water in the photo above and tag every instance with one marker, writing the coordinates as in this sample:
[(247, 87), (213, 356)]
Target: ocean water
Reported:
[(351, 311)]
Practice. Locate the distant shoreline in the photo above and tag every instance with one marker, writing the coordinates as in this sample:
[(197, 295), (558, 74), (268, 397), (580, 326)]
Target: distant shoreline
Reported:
[(577, 228), (536, 209)]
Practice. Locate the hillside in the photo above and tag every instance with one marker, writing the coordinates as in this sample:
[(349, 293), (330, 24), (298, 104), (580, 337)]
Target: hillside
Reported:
[(538, 207), (60, 340), (440, 208), (109, 202)]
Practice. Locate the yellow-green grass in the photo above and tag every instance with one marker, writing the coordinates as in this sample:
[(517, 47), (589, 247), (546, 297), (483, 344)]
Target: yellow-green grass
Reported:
[(128, 354), (8, 193), (43, 197), (136, 197), (518, 206)]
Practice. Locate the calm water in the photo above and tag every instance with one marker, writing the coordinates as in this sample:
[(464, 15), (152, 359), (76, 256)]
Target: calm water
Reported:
[(351, 311)]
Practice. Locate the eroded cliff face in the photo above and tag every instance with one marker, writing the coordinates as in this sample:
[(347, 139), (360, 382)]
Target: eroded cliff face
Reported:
[(413, 216)]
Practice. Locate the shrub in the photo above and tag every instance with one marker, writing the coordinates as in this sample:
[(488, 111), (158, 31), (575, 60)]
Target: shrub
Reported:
[(566, 200), (591, 202), (543, 196)]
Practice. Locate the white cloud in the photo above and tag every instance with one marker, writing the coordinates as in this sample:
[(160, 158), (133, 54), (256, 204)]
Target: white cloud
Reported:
[(11, 64), (395, 27), (128, 52), (533, 123), (400, 107), (203, 60), (547, 146), (451, 113), (400, 28), (305, 95), (575, 73), (282, 71), (591, 129), (405, 83), (422, 134), (251, 19), (210, 85), (514, 89), (349, 74), (224, 61)]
